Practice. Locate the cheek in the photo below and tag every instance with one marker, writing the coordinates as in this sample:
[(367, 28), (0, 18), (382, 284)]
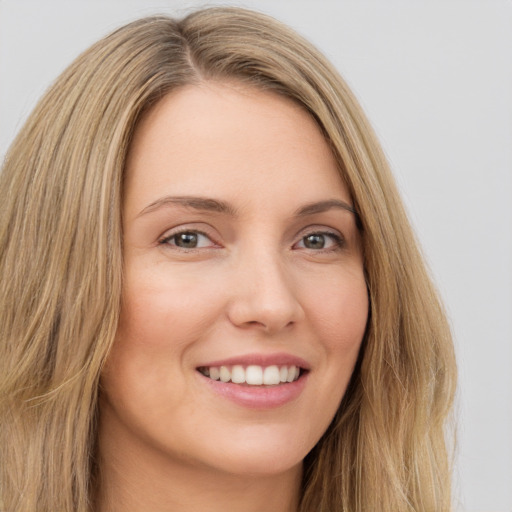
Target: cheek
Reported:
[(159, 324), (162, 317), (345, 321), (156, 312), (338, 314), (338, 311)]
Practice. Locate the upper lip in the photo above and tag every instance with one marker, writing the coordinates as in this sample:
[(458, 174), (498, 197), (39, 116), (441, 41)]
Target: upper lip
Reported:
[(278, 359)]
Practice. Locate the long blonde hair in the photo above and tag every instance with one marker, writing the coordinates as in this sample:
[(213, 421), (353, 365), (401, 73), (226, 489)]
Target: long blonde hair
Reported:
[(61, 271)]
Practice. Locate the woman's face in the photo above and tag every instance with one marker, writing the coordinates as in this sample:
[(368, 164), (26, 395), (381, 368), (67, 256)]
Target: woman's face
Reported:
[(244, 300)]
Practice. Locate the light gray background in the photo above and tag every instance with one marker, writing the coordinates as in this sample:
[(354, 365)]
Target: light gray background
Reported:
[(435, 78)]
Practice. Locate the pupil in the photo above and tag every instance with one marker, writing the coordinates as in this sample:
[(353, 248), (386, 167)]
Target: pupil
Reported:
[(314, 241), (187, 240)]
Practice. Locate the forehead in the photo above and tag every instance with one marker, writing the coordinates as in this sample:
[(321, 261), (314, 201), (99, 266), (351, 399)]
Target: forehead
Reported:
[(230, 139)]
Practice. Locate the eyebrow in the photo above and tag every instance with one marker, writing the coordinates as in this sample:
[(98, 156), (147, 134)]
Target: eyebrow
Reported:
[(323, 206), (218, 206), (192, 202)]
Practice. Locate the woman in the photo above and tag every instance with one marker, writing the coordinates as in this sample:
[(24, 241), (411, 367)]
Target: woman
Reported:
[(211, 293)]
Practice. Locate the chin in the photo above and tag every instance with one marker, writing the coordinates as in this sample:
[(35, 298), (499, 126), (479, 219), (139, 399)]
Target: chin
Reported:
[(259, 465), (259, 452)]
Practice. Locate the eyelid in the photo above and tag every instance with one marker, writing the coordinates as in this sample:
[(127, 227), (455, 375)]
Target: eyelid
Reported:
[(320, 229)]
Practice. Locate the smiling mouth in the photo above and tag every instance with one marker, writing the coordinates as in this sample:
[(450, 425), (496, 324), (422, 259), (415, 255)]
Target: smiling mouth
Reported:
[(253, 375)]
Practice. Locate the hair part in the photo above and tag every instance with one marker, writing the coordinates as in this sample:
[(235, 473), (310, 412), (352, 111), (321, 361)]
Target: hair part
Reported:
[(61, 271)]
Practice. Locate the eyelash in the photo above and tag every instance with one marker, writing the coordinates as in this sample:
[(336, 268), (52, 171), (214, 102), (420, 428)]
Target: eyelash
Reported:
[(337, 239)]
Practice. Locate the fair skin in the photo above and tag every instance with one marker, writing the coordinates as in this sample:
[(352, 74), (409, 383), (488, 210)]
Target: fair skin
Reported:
[(240, 251)]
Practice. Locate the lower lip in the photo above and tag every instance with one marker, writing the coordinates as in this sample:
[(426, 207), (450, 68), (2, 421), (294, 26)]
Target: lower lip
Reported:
[(258, 397)]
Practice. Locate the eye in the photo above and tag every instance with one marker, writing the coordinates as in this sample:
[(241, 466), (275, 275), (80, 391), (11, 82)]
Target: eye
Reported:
[(320, 241), (188, 240)]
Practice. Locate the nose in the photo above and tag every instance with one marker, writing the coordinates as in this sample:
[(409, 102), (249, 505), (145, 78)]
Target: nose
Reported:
[(264, 295)]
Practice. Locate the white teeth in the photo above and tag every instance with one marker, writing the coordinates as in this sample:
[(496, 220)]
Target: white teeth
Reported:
[(237, 374), (253, 375), (271, 376), (225, 374), (291, 374)]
